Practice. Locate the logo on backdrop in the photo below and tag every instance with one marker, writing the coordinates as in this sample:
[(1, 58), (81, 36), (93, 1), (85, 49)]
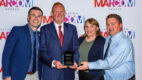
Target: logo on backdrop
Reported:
[(4, 35), (73, 18), (15, 4), (114, 4), (129, 33)]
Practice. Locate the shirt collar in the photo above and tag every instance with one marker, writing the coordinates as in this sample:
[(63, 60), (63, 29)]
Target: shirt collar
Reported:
[(118, 35), (31, 29), (58, 24)]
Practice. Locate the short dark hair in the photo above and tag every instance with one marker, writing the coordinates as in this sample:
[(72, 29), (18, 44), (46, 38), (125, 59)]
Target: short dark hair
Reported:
[(116, 16), (35, 8)]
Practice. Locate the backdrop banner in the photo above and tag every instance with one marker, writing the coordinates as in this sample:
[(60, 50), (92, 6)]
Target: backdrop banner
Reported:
[(14, 13)]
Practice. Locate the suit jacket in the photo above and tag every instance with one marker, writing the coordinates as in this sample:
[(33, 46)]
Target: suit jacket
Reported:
[(51, 50), (95, 53), (17, 53)]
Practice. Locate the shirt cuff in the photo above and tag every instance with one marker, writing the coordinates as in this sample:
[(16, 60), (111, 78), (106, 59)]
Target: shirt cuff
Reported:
[(53, 65), (4, 77), (91, 65)]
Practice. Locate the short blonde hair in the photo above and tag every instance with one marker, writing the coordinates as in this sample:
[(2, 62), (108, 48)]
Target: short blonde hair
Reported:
[(57, 3)]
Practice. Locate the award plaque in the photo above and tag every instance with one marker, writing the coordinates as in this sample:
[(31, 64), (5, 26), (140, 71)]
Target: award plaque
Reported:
[(68, 58)]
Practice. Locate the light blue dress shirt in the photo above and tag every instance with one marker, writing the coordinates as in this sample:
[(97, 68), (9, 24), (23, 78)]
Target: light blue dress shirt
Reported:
[(37, 49), (119, 63)]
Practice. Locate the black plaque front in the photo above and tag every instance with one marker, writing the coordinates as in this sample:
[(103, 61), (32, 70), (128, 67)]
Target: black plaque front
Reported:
[(68, 58)]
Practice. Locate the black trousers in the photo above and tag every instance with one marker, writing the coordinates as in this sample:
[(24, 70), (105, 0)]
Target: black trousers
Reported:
[(85, 76)]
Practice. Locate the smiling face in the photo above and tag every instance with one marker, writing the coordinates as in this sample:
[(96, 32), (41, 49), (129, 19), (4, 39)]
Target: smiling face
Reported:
[(58, 13), (113, 26), (34, 19), (90, 30)]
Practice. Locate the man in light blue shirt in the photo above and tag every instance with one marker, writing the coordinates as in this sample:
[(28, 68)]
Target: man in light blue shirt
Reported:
[(118, 60)]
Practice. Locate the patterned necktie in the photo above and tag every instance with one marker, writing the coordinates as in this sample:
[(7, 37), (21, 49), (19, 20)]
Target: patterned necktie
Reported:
[(106, 53), (61, 36)]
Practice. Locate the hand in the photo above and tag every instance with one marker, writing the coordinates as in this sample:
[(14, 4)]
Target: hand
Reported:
[(9, 78), (74, 66), (84, 66), (59, 65)]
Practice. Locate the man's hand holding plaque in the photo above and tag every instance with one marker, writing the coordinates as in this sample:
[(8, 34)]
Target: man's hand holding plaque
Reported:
[(74, 66), (84, 66), (59, 65)]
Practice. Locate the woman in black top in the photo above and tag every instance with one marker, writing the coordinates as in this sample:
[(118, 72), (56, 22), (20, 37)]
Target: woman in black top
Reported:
[(91, 49)]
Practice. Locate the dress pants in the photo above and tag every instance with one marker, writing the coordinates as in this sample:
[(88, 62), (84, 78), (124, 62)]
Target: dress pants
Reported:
[(33, 76)]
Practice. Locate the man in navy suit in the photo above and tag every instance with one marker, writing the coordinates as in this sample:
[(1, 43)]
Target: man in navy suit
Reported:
[(20, 55), (56, 38)]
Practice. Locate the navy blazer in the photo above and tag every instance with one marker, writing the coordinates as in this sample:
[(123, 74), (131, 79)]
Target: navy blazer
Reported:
[(51, 50), (17, 53), (95, 53)]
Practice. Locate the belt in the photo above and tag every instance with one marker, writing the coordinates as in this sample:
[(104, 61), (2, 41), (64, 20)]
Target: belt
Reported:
[(30, 73), (132, 78)]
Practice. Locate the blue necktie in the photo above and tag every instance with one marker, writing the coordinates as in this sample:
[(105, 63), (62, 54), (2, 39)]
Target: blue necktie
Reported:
[(34, 53), (106, 52)]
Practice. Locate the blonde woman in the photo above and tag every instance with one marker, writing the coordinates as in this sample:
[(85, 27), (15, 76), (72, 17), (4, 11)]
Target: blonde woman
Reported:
[(91, 49)]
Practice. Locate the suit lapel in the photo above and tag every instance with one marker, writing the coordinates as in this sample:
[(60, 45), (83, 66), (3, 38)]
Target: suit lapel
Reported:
[(66, 32), (54, 33), (28, 36), (65, 36)]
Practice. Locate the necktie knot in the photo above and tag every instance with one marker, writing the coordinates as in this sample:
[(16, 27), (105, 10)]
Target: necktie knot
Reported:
[(34, 34), (60, 27), (109, 41)]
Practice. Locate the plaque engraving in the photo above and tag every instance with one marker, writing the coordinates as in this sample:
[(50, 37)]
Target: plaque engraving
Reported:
[(68, 58)]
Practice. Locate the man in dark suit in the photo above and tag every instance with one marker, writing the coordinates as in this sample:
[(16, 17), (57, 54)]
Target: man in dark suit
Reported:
[(20, 55), (56, 38)]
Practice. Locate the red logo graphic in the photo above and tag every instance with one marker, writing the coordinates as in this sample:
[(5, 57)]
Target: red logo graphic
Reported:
[(4, 35)]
